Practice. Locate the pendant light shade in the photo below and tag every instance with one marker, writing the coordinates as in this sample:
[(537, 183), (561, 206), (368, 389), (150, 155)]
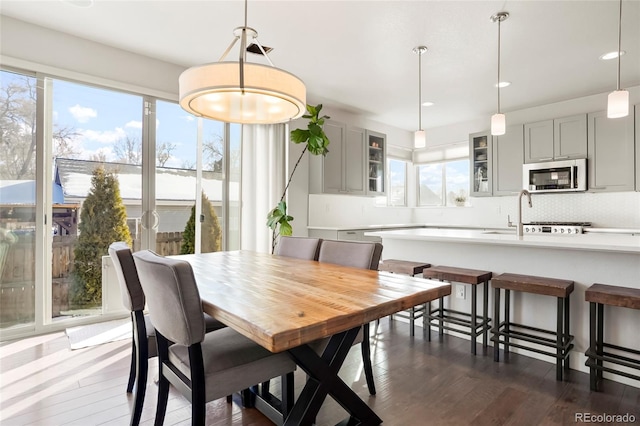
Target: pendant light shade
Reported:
[(498, 124), (420, 139), (498, 120), (618, 100), (242, 92)]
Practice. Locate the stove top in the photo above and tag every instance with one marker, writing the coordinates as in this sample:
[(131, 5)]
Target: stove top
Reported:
[(556, 228)]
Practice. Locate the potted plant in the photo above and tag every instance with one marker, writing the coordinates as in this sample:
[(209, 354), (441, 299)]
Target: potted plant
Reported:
[(460, 200), (316, 142)]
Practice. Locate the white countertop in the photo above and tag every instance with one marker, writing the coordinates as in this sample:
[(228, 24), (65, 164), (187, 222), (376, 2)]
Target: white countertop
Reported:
[(591, 241)]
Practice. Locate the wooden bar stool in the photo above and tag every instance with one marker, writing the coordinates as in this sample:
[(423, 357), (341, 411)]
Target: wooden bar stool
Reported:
[(477, 325), (599, 295), (562, 341), (408, 268)]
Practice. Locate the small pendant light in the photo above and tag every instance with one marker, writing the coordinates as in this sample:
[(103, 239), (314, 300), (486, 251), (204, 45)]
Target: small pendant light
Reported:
[(618, 101), (420, 140), (498, 122)]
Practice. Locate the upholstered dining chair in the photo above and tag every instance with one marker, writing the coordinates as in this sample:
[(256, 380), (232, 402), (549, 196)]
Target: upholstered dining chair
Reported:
[(203, 367), (299, 247), (144, 344), (357, 254)]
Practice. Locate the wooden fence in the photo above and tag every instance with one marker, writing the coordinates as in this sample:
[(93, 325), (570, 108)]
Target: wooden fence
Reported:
[(17, 273)]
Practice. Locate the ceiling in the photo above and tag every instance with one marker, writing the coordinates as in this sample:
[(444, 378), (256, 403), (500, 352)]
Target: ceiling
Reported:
[(357, 55)]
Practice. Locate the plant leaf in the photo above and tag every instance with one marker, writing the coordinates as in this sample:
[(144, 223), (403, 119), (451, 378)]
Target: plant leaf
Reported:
[(299, 135), (285, 229)]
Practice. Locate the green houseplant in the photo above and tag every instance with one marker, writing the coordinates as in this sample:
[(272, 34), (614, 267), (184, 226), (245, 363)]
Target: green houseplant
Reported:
[(316, 142)]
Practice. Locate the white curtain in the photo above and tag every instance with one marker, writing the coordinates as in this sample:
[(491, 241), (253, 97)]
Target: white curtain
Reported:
[(263, 178)]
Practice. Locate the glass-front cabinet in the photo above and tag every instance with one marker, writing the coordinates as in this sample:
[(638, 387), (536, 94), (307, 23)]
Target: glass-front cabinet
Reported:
[(481, 170), (376, 150)]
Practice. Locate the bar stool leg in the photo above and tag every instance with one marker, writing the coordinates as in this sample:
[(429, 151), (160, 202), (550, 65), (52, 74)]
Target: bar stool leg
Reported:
[(593, 379), (496, 324), (485, 314), (427, 326), (567, 317), (559, 330), (507, 316), (600, 340), (412, 321), (474, 318), (440, 320)]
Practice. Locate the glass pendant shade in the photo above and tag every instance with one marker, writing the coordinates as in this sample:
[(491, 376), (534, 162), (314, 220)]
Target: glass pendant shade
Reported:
[(498, 124), (271, 95), (618, 104), (420, 140)]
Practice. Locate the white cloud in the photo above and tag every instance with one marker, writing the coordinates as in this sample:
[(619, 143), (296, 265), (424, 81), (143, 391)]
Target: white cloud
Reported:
[(82, 114), (134, 124), (105, 137), (189, 117)]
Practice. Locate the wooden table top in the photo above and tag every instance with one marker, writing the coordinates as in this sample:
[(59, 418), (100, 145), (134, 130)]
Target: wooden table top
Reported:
[(281, 302)]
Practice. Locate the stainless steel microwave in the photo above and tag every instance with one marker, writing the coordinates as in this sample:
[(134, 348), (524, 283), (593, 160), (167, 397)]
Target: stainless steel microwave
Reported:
[(555, 176)]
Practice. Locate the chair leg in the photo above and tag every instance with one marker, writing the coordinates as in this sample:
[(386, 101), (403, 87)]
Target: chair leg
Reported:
[(366, 359), (132, 369), (163, 382), (198, 389)]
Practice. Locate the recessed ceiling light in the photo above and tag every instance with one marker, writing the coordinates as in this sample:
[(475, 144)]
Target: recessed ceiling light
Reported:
[(503, 84), (79, 3), (427, 104), (611, 55)]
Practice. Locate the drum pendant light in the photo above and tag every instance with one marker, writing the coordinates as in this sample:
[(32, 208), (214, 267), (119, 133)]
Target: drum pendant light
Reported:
[(242, 92), (618, 100), (420, 140), (498, 122)]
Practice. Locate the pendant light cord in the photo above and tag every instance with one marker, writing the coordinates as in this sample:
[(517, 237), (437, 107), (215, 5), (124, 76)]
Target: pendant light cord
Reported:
[(499, 22), (419, 90), (619, 43), (243, 49)]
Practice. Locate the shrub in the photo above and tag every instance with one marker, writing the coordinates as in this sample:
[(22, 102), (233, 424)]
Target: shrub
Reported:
[(211, 231)]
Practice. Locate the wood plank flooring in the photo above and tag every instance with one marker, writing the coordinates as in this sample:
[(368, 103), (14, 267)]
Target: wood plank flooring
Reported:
[(44, 383)]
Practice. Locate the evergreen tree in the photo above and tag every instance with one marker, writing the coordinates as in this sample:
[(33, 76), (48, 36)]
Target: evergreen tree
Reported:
[(103, 220), (211, 232)]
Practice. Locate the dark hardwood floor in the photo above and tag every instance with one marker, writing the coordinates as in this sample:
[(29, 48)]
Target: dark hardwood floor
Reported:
[(43, 382)]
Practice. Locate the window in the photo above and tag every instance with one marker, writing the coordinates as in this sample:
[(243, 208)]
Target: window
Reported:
[(397, 179), (440, 183)]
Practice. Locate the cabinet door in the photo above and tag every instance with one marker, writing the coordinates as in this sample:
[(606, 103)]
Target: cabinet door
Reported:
[(538, 141), (376, 146), (332, 173), (610, 153), (507, 161), (570, 137), (480, 149), (355, 161)]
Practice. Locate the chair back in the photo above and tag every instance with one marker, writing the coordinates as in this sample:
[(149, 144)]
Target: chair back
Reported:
[(357, 254), (172, 296), (130, 288), (299, 247)]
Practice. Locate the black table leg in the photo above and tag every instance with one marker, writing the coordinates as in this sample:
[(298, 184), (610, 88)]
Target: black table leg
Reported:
[(323, 380)]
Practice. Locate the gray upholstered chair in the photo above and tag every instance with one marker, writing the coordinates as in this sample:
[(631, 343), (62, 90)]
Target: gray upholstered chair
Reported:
[(365, 255), (202, 367), (299, 247), (144, 344)]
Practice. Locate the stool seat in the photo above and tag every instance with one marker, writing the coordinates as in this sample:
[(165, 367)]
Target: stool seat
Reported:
[(624, 297), (461, 275), (532, 284), (403, 266)]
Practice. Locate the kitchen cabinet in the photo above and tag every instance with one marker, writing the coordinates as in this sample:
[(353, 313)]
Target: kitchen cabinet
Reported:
[(480, 151), (376, 165), (558, 139), (610, 153), (637, 110), (507, 161), (342, 170), (496, 162)]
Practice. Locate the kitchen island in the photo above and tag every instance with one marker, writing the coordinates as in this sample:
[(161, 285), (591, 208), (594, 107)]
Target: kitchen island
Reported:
[(586, 259)]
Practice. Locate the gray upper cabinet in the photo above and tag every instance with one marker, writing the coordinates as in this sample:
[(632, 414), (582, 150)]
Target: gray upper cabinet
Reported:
[(342, 170), (559, 139), (507, 161), (637, 109), (611, 154), (376, 146)]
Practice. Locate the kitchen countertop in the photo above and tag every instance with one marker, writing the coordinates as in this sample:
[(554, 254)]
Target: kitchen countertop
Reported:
[(607, 242), (398, 225)]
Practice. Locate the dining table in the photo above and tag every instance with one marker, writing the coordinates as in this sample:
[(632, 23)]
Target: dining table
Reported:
[(287, 304)]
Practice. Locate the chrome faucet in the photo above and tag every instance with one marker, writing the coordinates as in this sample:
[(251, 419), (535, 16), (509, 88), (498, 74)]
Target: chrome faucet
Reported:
[(519, 226)]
